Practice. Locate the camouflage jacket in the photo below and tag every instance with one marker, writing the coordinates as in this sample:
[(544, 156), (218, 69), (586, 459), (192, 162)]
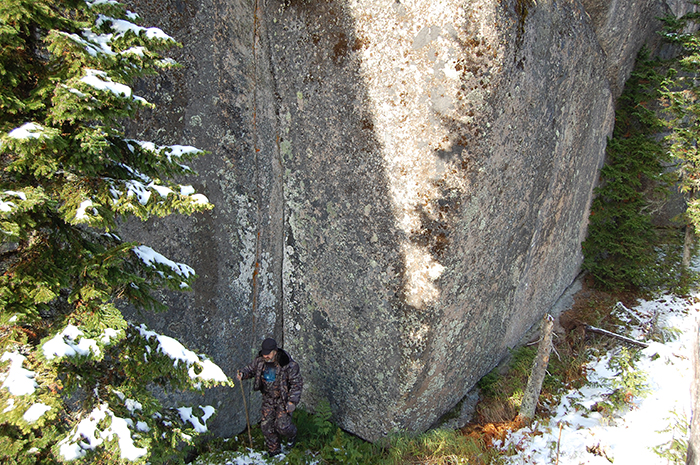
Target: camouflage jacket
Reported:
[(288, 381)]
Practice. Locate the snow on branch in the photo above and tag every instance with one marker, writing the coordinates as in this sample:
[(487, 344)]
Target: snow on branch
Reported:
[(133, 405), (92, 3), (19, 381), (87, 436), (178, 353), (81, 213), (122, 26), (150, 257), (143, 191), (66, 344), (95, 43), (100, 81), (199, 425), (6, 206), (27, 131), (35, 412), (170, 151)]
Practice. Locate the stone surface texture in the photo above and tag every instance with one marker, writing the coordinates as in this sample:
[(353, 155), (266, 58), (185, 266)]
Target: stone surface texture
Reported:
[(401, 187)]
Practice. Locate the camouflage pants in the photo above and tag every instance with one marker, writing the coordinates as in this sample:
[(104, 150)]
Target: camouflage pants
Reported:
[(276, 422)]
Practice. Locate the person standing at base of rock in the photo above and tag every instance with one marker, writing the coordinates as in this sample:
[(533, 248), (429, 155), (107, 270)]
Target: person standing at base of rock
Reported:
[(278, 378)]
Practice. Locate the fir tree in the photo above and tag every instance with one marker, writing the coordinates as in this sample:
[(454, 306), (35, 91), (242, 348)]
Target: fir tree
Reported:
[(619, 251), (75, 375), (680, 92)]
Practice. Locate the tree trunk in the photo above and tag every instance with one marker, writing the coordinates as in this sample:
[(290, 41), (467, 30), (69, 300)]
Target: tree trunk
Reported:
[(687, 246), (693, 454), (539, 369)]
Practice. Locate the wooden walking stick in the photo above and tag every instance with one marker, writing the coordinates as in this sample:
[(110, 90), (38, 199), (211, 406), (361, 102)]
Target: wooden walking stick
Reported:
[(247, 417)]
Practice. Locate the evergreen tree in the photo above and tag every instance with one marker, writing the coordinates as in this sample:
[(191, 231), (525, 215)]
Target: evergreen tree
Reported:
[(680, 92), (619, 251), (76, 377)]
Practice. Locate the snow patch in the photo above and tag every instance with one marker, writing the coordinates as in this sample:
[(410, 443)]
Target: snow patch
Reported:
[(10, 405), (35, 412), (8, 206), (108, 334), (170, 151), (180, 150), (92, 3), (65, 344), (84, 205), (122, 26), (200, 198), (577, 435), (19, 381)]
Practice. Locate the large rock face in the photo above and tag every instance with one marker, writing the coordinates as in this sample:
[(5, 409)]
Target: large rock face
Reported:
[(401, 188)]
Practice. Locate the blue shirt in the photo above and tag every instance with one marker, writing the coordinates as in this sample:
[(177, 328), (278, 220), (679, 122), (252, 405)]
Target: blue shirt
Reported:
[(269, 373)]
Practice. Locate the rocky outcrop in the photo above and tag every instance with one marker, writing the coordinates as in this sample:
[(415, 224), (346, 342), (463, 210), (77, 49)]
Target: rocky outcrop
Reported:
[(623, 27), (401, 188)]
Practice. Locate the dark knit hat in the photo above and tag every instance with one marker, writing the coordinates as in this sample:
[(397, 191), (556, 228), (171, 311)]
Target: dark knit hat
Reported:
[(268, 346)]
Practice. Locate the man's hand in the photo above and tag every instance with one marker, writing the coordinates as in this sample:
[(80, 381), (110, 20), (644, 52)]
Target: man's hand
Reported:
[(290, 407), (239, 375)]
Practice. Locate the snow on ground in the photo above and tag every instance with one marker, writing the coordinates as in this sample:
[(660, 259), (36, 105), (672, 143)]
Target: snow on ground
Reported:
[(576, 435), (250, 457)]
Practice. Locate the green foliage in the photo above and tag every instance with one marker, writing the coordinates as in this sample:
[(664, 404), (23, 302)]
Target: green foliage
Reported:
[(666, 334), (675, 450), (671, 274), (626, 384), (322, 442), (439, 447), (70, 362), (332, 445), (502, 389), (620, 249), (318, 427), (488, 385), (318, 441), (680, 93)]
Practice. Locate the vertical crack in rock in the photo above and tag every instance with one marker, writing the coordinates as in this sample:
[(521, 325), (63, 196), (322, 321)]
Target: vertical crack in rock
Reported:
[(267, 189), (274, 198), (256, 165)]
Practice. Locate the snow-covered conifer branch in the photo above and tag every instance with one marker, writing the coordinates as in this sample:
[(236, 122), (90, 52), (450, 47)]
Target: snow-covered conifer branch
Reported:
[(69, 173)]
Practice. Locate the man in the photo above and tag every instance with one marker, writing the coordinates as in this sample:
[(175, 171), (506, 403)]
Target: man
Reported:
[(277, 378)]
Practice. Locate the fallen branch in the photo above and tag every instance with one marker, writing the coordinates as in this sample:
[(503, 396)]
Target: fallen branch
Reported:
[(622, 307), (561, 425), (626, 339)]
